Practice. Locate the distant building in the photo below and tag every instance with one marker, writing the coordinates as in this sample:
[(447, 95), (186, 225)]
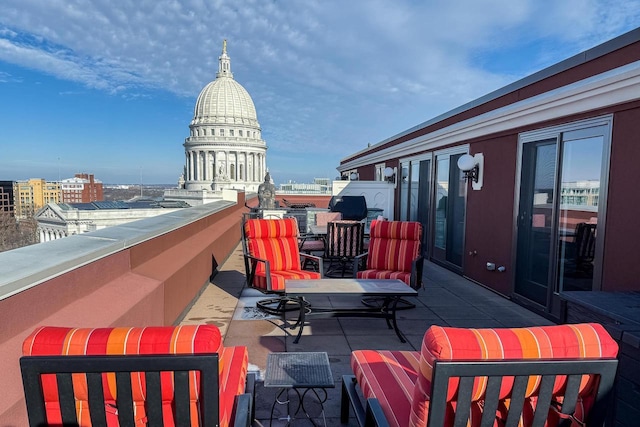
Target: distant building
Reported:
[(6, 196), (319, 186), (224, 149), (580, 193), (56, 221), (83, 188), (33, 194)]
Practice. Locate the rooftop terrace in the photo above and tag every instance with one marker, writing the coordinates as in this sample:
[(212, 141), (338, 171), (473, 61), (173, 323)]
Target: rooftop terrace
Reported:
[(187, 267), (447, 299)]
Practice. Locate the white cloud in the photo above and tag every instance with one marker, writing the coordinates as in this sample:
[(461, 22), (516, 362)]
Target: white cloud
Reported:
[(324, 74)]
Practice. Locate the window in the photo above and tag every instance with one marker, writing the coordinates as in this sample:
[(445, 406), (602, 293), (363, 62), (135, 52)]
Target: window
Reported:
[(231, 132), (221, 132), (240, 132)]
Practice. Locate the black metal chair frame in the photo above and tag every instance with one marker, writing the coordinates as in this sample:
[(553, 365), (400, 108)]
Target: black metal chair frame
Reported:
[(63, 367), (280, 303), (370, 413), (343, 250)]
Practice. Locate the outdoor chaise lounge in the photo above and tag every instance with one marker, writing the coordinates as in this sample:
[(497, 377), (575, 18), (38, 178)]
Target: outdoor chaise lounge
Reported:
[(534, 377), (171, 376)]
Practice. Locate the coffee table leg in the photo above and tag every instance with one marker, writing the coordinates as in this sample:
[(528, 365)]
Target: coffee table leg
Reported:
[(301, 319), (391, 311)]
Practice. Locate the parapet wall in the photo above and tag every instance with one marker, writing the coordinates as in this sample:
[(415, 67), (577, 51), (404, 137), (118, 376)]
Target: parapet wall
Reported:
[(141, 273)]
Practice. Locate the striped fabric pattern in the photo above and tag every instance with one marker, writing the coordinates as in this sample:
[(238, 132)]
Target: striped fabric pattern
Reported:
[(393, 245), (186, 339), (401, 380), (390, 377), (232, 379), (275, 240), (344, 238), (555, 342)]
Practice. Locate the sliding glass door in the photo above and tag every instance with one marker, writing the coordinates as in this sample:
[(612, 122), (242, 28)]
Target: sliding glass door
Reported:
[(415, 186), (560, 211), (449, 210)]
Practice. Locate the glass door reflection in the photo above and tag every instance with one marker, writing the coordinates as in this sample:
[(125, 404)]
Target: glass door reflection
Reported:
[(578, 218), (449, 212), (535, 220)]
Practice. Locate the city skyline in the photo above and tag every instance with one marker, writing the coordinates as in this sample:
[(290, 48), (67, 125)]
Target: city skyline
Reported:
[(110, 91)]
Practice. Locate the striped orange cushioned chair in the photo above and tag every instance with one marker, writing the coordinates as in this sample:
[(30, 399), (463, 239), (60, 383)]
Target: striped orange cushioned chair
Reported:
[(123, 343), (562, 373), (394, 253), (271, 256)]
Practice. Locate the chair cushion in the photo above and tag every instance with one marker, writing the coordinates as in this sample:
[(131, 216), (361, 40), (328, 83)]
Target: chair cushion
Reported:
[(344, 239), (388, 376), (544, 342), (311, 245), (385, 274), (274, 240), (232, 379), (187, 339), (393, 245), (278, 278), (323, 218), (401, 380)]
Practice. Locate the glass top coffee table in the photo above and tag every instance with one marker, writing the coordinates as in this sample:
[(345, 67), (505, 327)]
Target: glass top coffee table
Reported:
[(307, 371), (391, 291)]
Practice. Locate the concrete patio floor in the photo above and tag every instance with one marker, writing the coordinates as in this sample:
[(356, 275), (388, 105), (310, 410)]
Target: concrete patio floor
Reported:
[(447, 299)]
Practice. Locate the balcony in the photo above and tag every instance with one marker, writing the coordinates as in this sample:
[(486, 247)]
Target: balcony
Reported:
[(187, 267)]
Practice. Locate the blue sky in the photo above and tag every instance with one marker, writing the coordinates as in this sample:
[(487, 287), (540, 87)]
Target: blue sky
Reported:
[(108, 86)]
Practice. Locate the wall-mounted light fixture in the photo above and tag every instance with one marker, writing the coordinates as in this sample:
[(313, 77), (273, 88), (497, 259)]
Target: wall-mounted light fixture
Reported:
[(354, 176), (390, 175), (473, 168)]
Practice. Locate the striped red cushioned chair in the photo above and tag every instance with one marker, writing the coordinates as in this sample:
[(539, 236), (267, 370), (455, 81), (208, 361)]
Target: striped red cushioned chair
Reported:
[(394, 253), (84, 350), (563, 375), (271, 256)]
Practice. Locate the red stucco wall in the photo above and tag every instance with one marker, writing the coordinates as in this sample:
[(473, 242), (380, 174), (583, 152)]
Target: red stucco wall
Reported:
[(621, 268), (489, 221), (151, 283)]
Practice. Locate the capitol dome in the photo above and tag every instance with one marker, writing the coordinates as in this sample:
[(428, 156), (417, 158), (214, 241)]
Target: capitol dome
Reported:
[(225, 101), (225, 149)]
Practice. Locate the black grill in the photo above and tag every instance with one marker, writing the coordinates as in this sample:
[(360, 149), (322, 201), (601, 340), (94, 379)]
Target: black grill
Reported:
[(351, 207)]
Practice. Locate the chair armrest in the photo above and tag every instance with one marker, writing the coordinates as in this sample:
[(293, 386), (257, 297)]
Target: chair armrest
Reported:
[(416, 272), (350, 397), (251, 270), (243, 410), (357, 260), (255, 259), (245, 403), (374, 414), (315, 259)]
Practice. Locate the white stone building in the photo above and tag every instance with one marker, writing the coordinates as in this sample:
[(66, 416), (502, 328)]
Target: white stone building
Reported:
[(58, 220), (224, 149)]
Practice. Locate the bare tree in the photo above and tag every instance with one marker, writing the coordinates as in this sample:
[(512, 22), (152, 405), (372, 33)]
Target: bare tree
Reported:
[(16, 233)]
